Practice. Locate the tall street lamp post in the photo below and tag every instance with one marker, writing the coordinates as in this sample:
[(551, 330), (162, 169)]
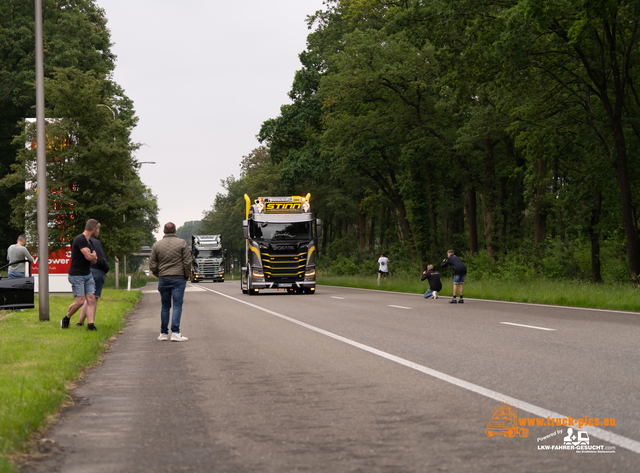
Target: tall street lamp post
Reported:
[(41, 174)]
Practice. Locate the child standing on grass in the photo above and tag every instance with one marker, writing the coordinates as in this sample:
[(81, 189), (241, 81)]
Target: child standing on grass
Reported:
[(435, 285), (459, 272)]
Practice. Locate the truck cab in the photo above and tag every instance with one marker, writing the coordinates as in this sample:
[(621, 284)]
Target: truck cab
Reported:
[(280, 235), (207, 258)]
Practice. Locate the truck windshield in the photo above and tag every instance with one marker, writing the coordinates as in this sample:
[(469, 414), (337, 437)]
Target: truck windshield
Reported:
[(281, 231), (209, 254)]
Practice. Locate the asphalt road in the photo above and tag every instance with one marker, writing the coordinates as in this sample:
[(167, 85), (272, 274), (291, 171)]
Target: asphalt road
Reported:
[(349, 380)]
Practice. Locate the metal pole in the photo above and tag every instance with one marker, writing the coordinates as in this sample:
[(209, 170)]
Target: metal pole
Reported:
[(117, 273), (41, 191)]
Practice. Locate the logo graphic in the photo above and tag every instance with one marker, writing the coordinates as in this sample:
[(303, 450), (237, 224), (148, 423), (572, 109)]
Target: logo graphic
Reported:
[(504, 421), (277, 207), (575, 439)]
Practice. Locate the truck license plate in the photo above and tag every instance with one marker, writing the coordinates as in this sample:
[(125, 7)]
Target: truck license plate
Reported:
[(284, 285)]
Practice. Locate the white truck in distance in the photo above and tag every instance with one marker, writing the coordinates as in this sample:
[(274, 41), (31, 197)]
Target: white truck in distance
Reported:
[(207, 258)]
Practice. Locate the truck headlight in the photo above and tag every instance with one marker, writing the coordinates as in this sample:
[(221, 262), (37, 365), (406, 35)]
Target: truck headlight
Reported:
[(310, 273), (257, 273)]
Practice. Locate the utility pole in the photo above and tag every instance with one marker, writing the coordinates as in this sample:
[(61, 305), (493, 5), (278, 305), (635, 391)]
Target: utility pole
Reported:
[(41, 174)]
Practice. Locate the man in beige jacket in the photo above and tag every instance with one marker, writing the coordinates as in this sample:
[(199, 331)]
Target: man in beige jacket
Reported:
[(171, 263)]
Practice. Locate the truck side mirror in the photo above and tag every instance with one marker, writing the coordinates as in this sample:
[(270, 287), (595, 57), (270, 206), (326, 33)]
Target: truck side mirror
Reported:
[(318, 227), (245, 229)]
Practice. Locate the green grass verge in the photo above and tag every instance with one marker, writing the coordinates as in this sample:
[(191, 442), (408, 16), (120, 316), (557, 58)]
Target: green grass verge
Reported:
[(566, 293), (38, 361)]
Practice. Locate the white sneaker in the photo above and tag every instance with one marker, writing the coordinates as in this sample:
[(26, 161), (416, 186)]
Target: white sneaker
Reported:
[(435, 294), (163, 337), (177, 337)]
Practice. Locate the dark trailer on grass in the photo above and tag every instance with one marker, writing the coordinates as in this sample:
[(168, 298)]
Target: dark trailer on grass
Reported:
[(17, 293)]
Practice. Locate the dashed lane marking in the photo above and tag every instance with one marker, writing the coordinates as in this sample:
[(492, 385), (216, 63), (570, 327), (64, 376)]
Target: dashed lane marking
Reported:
[(530, 326), (400, 307), (615, 439), (336, 297)]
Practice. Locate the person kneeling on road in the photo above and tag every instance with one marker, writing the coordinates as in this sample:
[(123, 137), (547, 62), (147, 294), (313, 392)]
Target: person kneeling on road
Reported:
[(435, 285)]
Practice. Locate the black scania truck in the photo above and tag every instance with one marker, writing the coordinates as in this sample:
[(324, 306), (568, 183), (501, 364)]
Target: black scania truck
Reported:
[(280, 235)]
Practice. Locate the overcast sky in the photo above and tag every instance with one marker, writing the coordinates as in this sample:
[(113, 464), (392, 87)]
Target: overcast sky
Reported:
[(203, 75)]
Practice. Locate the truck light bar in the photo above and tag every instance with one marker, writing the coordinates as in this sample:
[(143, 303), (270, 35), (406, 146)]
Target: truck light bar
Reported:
[(279, 205)]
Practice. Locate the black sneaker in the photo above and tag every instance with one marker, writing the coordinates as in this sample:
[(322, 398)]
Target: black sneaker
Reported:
[(64, 323), (453, 301), (461, 301), (91, 328)]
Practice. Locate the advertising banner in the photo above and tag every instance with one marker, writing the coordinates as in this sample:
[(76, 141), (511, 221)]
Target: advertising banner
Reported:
[(59, 262)]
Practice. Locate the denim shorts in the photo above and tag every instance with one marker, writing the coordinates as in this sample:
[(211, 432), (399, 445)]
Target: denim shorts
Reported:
[(98, 276), (82, 285), (458, 279)]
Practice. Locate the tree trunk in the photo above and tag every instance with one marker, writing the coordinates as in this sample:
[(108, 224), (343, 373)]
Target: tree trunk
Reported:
[(489, 201), (383, 226), (540, 216), (432, 215), (630, 229), (362, 230), (372, 228), (402, 214), (594, 234), (473, 222)]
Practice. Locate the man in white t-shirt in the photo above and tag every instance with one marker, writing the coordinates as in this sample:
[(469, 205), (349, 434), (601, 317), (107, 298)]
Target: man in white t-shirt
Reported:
[(383, 270)]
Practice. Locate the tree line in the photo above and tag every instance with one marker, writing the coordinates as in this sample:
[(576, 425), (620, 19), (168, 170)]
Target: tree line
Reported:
[(508, 130), (91, 167)]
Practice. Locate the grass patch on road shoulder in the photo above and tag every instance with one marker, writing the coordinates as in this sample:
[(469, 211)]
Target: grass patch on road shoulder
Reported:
[(38, 360), (565, 293)]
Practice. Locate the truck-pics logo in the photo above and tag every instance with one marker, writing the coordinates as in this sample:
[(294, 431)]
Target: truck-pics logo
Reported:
[(504, 421)]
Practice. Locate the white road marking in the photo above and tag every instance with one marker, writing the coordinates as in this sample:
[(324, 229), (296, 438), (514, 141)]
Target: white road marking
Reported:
[(529, 326), (399, 307), (615, 439), (336, 297), (497, 302)]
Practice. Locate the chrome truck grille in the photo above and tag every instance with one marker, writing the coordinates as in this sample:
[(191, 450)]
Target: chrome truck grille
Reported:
[(284, 266)]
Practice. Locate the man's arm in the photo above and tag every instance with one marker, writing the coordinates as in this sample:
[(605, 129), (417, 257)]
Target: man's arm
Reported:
[(186, 261), (28, 255), (153, 262), (90, 255)]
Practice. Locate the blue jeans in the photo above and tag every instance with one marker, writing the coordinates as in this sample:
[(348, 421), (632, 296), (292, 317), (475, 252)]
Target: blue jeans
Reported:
[(171, 289), (428, 294), (458, 279), (82, 285), (15, 275)]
